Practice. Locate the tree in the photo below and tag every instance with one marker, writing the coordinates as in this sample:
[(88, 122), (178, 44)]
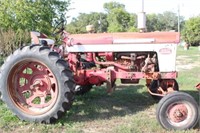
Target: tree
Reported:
[(132, 24), (118, 18), (191, 31), (31, 14), (18, 17), (163, 22), (152, 22), (11, 40), (168, 21), (108, 7), (78, 25)]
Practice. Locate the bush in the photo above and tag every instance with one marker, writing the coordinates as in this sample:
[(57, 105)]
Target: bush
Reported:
[(10, 40), (191, 31)]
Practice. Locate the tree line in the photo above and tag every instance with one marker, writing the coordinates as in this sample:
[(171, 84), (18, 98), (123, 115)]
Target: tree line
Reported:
[(117, 19), (18, 17)]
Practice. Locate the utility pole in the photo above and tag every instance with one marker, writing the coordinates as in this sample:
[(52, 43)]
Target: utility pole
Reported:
[(179, 17)]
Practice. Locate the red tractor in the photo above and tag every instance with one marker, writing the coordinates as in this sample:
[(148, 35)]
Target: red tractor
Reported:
[(39, 82)]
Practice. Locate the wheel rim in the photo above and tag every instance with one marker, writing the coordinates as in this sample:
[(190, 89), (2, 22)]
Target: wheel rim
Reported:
[(32, 87), (179, 114)]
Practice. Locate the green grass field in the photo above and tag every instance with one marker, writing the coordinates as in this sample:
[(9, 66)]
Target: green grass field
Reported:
[(130, 109)]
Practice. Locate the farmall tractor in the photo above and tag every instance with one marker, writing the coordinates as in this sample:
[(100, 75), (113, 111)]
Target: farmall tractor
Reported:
[(39, 82)]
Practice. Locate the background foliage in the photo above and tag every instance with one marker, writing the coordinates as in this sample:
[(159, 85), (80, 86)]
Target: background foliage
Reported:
[(191, 32), (11, 40), (117, 19), (31, 14), (18, 17), (22, 16)]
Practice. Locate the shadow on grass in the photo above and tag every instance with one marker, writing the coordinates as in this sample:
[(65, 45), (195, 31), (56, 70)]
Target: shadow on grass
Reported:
[(1, 102), (194, 93), (98, 105)]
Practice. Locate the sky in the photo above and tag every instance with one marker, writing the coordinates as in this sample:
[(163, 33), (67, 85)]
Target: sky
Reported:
[(188, 8)]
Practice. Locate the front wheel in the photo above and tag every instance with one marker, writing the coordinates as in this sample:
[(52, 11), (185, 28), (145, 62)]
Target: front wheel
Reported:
[(177, 111), (36, 84)]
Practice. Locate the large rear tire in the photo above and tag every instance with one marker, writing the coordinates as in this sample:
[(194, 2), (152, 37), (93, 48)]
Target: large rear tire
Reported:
[(36, 84), (177, 111)]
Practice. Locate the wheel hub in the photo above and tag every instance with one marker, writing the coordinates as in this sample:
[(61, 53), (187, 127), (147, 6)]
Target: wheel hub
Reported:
[(178, 113), (40, 81)]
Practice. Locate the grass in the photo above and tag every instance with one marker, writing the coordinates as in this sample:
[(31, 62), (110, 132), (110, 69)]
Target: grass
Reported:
[(188, 79), (129, 109)]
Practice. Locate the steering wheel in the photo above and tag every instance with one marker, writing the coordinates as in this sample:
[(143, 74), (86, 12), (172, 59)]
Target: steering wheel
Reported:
[(60, 26)]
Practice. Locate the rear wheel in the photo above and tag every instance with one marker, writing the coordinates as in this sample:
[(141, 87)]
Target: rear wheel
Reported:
[(177, 110), (36, 84)]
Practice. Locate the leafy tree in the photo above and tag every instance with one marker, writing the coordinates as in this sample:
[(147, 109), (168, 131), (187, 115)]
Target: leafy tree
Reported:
[(102, 22), (163, 22), (118, 18), (132, 24), (31, 14), (11, 40), (98, 20), (191, 31), (113, 5), (168, 21), (152, 22), (18, 17)]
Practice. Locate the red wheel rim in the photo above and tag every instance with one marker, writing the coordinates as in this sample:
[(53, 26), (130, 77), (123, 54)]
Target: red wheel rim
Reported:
[(32, 87), (179, 113)]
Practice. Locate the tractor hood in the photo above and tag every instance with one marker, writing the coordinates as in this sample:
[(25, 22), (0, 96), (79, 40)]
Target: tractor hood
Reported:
[(126, 38)]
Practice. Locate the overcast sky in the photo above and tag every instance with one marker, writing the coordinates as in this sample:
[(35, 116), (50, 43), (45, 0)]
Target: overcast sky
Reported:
[(188, 8)]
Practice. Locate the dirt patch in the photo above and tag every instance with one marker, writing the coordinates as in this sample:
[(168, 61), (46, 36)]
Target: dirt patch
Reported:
[(105, 126), (184, 63)]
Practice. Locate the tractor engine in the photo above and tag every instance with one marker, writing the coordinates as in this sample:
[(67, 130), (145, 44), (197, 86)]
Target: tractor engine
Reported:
[(125, 61)]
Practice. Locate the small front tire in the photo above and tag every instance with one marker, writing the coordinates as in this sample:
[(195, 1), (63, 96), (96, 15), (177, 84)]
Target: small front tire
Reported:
[(177, 111)]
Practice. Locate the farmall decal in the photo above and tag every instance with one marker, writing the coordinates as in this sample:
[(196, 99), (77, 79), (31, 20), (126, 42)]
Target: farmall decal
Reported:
[(165, 51)]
